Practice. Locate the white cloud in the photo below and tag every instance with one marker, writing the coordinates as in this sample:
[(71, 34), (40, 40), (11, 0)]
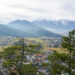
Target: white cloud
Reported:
[(36, 9)]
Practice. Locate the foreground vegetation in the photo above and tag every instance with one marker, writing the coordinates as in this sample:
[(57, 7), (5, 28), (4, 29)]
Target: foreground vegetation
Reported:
[(62, 61)]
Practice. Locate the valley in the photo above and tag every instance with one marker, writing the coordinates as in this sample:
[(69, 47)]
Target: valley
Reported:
[(46, 42), (28, 49)]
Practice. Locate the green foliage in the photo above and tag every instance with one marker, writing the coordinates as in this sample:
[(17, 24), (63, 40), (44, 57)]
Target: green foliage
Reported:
[(1, 55), (41, 74), (65, 43), (29, 69), (56, 63), (35, 46), (69, 43), (12, 73), (13, 56), (6, 64), (45, 64)]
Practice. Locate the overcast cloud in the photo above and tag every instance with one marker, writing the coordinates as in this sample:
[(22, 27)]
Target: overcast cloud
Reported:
[(36, 9)]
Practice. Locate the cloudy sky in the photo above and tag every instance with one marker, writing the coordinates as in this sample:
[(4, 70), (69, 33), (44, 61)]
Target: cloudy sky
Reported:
[(36, 10)]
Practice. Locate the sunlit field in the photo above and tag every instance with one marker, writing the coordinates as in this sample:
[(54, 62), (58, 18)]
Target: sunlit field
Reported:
[(59, 50)]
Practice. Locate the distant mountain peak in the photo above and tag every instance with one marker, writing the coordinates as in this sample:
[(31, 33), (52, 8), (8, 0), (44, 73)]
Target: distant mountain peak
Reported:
[(62, 26), (31, 28), (19, 21)]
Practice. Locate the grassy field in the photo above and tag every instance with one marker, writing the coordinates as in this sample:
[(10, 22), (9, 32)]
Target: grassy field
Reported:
[(60, 50), (36, 39), (43, 42), (1, 49)]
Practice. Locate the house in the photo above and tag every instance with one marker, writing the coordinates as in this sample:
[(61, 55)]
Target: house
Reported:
[(36, 61), (45, 61), (39, 56), (48, 52), (45, 71), (29, 58)]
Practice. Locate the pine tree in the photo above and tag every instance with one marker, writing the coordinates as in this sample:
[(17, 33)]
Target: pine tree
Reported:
[(69, 44)]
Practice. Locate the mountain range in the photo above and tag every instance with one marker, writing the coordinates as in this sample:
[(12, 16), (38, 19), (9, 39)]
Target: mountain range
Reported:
[(24, 28), (60, 27), (36, 28)]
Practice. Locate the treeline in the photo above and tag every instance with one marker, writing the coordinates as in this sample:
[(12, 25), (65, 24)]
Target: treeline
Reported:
[(62, 63)]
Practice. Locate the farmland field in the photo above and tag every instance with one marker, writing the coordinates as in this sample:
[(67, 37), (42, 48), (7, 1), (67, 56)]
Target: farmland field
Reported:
[(60, 50)]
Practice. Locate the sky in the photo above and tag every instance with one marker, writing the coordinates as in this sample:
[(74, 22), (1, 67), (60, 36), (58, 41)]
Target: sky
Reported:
[(36, 10)]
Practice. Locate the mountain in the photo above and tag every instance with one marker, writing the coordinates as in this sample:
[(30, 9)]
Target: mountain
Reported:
[(9, 31), (30, 28), (37, 28), (61, 26)]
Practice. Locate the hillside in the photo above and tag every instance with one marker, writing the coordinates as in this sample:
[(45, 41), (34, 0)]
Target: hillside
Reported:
[(8, 31), (61, 26), (32, 29)]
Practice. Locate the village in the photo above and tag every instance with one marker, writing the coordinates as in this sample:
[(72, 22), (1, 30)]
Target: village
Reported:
[(39, 59), (35, 59)]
